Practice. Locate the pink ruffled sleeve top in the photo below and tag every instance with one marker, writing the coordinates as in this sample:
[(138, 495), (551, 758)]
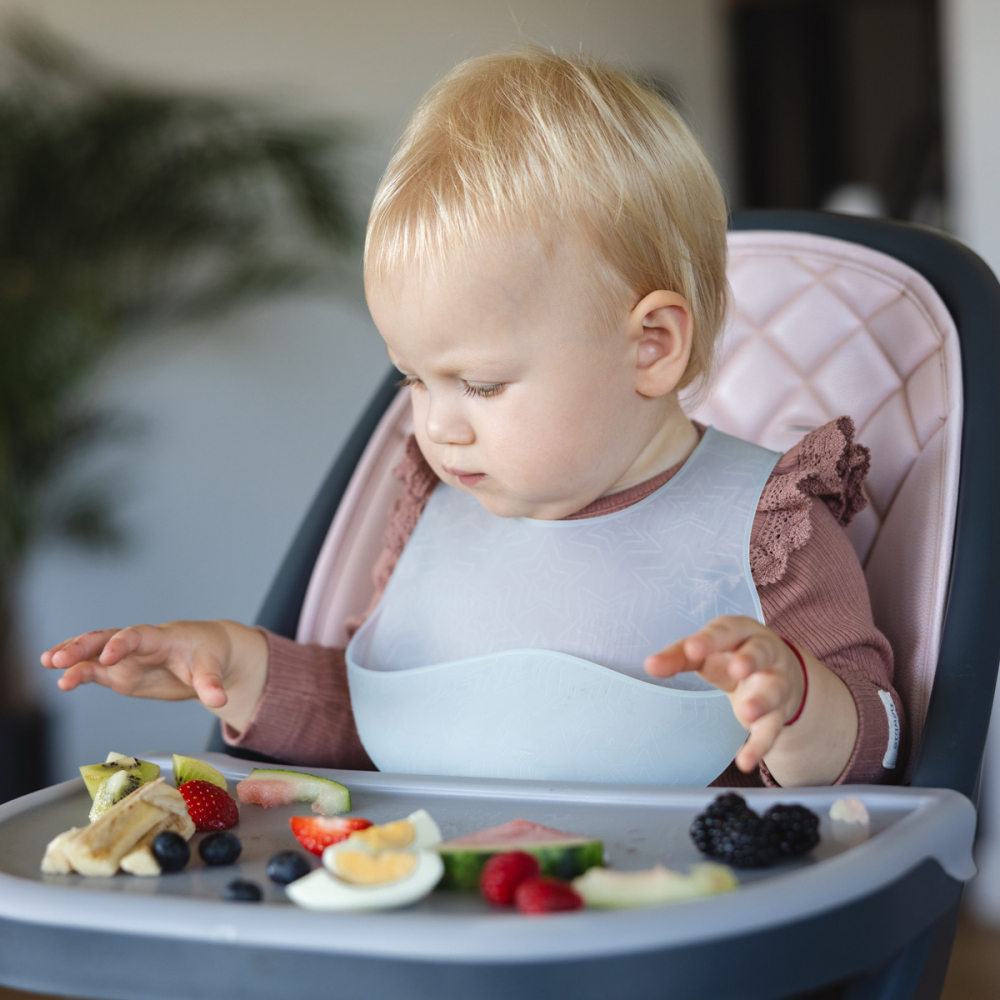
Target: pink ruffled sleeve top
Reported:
[(809, 580)]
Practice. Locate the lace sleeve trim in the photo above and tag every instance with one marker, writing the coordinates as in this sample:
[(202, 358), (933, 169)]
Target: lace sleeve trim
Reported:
[(826, 464)]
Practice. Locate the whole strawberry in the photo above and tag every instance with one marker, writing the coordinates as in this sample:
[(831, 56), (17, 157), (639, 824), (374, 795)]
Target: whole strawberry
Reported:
[(546, 895), (316, 833), (503, 873), (209, 806)]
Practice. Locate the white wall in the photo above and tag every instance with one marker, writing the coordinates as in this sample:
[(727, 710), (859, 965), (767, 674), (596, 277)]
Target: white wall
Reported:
[(972, 93), (244, 419)]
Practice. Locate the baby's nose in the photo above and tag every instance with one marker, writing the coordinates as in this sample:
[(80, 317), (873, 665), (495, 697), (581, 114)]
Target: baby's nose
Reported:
[(446, 424)]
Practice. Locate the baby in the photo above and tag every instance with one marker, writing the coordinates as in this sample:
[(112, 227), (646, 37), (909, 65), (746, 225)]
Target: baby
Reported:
[(545, 261)]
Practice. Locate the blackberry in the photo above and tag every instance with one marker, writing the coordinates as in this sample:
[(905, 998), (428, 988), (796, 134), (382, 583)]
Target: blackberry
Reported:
[(731, 831), (798, 829)]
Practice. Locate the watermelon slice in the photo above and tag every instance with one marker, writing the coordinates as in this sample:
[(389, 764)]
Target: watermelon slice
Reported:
[(562, 855), (267, 787)]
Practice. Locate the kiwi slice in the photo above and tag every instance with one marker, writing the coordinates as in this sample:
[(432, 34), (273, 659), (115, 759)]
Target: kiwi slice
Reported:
[(94, 774), (192, 769), (112, 790)]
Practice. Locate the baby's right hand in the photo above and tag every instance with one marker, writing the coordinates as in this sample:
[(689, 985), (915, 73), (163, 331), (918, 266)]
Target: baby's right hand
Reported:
[(221, 663)]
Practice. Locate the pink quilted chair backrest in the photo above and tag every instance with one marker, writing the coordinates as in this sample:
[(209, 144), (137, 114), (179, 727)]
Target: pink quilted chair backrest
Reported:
[(819, 328)]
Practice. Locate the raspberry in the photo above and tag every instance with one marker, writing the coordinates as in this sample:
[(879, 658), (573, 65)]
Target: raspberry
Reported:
[(209, 806), (546, 895), (503, 873), (731, 831)]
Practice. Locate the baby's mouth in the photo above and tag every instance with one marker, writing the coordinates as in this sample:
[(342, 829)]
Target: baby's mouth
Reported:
[(464, 477)]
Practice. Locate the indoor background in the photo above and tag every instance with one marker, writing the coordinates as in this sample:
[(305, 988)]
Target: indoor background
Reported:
[(875, 106)]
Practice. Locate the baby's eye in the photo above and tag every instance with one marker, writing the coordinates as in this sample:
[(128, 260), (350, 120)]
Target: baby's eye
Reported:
[(483, 391), (407, 381)]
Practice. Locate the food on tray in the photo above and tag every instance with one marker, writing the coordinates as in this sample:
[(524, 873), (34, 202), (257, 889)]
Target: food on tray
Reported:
[(375, 868), (415, 832), (731, 831), (171, 851), (117, 777), (192, 769), (503, 873), (94, 774), (122, 835), (209, 806), (221, 848), (316, 833), (850, 823), (320, 890), (559, 854), (287, 866), (610, 889), (546, 895), (850, 810), (275, 787), (242, 890)]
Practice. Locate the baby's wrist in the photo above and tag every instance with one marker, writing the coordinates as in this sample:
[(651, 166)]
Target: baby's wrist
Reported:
[(797, 702), (244, 673)]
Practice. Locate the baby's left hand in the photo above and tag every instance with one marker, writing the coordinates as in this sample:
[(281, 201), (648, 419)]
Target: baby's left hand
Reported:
[(753, 665)]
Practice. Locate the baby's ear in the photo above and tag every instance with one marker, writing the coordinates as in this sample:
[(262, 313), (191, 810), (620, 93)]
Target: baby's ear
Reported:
[(660, 327)]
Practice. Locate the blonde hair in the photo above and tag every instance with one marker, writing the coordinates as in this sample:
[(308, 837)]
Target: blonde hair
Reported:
[(532, 138)]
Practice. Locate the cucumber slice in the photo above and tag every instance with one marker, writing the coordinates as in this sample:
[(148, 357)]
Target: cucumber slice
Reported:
[(268, 787), (192, 769)]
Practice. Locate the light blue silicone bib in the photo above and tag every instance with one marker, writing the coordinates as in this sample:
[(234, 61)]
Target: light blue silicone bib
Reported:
[(513, 647)]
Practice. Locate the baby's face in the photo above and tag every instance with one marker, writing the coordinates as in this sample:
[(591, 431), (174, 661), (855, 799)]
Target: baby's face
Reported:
[(519, 398)]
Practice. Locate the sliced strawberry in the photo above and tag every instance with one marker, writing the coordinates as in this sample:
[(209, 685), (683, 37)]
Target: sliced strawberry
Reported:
[(315, 833), (209, 806), (503, 873), (546, 895)]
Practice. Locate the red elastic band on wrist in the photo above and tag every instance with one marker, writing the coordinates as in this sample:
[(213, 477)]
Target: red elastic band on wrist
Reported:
[(805, 678)]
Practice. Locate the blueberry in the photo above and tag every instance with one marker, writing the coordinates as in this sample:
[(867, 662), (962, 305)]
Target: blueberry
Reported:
[(220, 848), (287, 866), (171, 851), (242, 890)]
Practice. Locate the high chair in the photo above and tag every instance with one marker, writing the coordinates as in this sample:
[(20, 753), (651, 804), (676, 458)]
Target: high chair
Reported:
[(896, 326), (893, 325)]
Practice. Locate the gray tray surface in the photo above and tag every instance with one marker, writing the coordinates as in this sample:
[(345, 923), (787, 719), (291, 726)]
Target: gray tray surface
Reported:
[(640, 827)]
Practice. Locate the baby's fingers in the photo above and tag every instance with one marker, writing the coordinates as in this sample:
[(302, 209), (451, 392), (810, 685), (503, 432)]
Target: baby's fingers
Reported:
[(87, 672), (80, 647), (206, 679), (763, 734), (136, 640)]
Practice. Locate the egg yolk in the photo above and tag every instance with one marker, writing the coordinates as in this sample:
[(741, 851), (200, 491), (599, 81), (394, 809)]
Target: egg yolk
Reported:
[(388, 836), (362, 868)]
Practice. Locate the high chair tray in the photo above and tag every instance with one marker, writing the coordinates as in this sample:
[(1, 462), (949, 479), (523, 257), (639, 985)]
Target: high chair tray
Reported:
[(840, 910)]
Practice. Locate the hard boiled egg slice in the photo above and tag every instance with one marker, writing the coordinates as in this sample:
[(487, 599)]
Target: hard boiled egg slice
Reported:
[(322, 891), (414, 833)]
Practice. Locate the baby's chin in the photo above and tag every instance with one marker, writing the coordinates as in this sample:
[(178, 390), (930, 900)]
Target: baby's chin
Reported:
[(504, 505)]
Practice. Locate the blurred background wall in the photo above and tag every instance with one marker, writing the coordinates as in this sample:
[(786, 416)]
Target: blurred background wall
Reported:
[(242, 416)]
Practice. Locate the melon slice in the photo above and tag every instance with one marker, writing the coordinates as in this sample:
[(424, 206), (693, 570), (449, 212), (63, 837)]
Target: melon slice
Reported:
[(561, 855), (653, 887), (269, 787)]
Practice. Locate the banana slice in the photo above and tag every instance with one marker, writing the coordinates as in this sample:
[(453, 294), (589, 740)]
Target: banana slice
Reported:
[(141, 860), (55, 860), (99, 848)]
